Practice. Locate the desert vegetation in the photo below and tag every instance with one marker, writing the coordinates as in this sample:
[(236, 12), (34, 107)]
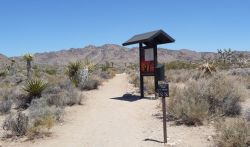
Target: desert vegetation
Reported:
[(209, 93), (33, 96)]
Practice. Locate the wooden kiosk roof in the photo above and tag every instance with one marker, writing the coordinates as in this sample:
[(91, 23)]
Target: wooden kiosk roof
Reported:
[(150, 38)]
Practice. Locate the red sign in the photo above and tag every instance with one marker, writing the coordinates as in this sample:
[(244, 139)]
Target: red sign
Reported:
[(147, 66)]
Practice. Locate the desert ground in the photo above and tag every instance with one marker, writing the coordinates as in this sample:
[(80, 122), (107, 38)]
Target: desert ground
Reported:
[(108, 119)]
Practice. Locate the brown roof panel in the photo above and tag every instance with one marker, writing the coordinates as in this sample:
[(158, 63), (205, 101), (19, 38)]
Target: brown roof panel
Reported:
[(154, 37)]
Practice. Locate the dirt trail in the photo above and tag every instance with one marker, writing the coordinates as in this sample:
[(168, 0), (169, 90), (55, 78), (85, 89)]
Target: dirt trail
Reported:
[(107, 120)]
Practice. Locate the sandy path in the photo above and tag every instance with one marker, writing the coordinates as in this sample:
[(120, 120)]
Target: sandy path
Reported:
[(107, 122)]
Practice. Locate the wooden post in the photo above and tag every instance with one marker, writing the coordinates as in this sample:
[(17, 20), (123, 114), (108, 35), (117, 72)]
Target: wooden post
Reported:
[(155, 76), (164, 119), (141, 77)]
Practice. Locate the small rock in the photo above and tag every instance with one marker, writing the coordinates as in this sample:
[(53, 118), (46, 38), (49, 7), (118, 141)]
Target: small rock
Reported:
[(171, 143), (209, 138), (23, 139)]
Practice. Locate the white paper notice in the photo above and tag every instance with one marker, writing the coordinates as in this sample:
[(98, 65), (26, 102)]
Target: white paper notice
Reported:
[(149, 54)]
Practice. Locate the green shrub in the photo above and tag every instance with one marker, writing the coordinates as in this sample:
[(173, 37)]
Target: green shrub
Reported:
[(180, 65), (233, 132), (51, 71)]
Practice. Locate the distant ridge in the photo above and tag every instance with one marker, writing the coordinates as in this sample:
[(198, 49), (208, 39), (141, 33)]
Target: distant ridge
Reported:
[(116, 54)]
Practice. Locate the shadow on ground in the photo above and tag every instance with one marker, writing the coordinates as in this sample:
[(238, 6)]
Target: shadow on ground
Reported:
[(129, 97)]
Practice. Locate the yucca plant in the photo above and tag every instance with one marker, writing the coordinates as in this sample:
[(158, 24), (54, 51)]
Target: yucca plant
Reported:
[(73, 70), (28, 58), (35, 87), (89, 65)]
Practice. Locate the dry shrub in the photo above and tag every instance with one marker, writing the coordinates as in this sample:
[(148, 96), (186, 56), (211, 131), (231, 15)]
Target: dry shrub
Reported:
[(240, 71), (206, 97), (233, 132), (247, 114), (62, 95), (188, 104), (182, 75), (224, 95), (40, 109), (17, 124), (149, 85), (135, 79), (90, 84), (5, 106), (40, 127), (242, 75)]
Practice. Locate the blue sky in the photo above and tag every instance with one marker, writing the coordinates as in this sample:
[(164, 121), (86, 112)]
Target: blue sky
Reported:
[(50, 25)]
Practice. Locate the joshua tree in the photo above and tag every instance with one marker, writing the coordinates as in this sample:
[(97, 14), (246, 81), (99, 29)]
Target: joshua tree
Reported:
[(225, 54), (28, 58)]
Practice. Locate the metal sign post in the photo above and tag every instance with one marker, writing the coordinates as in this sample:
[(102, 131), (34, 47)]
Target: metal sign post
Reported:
[(163, 88)]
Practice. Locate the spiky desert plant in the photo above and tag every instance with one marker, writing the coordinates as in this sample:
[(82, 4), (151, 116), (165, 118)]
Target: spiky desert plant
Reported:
[(207, 68), (35, 87), (28, 58), (73, 70), (89, 65)]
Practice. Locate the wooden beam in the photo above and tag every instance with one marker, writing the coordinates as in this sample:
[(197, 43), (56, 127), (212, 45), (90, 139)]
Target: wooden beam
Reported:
[(141, 77)]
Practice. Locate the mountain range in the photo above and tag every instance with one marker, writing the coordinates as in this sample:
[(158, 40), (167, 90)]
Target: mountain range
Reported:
[(113, 53)]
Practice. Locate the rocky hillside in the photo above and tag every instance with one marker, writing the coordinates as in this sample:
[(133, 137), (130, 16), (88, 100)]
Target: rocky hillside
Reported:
[(3, 60), (116, 54)]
